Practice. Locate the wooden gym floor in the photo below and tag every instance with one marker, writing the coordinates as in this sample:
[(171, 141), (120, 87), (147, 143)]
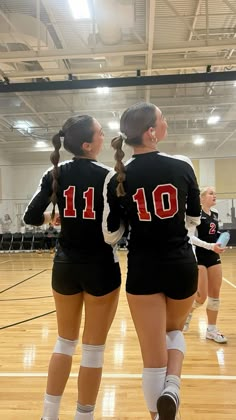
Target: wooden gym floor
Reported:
[(209, 374)]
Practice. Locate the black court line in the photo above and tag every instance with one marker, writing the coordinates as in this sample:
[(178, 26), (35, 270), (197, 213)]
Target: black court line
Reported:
[(26, 320), (22, 281), (29, 298)]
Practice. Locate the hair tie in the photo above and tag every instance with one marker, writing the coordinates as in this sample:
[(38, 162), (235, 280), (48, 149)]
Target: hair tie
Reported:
[(61, 134), (123, 136)]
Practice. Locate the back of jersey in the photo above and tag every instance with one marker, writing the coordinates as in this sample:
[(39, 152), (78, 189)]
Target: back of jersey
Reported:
[(160, 190), (80, 203)]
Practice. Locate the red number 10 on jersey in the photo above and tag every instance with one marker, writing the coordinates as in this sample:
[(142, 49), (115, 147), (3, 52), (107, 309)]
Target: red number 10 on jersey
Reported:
[(161, 191), (70, 210)]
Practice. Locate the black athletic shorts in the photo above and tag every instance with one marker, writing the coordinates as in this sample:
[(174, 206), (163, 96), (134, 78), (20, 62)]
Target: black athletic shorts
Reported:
[(207, 258), (97, 279), (177, 280)]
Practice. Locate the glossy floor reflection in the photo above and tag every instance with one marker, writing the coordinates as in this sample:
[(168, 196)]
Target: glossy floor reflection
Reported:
[(209, 374)]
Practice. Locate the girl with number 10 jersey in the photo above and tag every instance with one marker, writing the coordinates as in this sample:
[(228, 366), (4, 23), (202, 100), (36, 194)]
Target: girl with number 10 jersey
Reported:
[(158, 195)]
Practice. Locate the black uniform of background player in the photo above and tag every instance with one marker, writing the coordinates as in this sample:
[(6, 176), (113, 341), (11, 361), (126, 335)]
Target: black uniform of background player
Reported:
[(207, 231), (81, 242), (156, 207)]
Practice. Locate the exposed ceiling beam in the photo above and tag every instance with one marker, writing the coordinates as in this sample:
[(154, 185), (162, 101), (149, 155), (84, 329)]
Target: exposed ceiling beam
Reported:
[(162, 66), (197, 11), (13, 28), (230, 5), (225, 140), (55, 54), (182, 18), (27, 103), (151, 29)]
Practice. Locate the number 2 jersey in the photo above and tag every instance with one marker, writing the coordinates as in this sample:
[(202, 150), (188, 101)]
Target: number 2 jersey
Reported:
[(80, 203), (207, 232), (162, 196)]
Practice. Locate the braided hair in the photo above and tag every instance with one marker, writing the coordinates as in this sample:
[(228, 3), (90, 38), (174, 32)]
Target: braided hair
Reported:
[(134, 122), (76, 131)]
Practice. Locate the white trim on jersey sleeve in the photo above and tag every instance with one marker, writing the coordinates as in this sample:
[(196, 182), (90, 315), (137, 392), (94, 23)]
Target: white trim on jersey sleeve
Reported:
[(129, 161), (179, 157), (41, 180), (110, 238), (101, 165)]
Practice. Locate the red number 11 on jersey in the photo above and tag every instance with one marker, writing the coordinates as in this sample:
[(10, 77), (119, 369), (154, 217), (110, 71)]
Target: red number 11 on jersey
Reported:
[(70, 210)]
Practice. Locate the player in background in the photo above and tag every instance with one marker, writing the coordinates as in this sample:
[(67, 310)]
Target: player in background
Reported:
[(85, 269), (157, 194), (209, 265)]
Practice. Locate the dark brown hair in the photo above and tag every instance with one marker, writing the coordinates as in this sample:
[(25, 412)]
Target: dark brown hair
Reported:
[(133, 123), (76, 131)]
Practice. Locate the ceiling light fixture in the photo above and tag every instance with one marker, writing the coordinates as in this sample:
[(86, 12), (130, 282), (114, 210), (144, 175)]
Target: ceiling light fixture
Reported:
[(114, 125), (22, 125), (199, 140), (80, 9), (213, 119), (41, 143), (102, 90)]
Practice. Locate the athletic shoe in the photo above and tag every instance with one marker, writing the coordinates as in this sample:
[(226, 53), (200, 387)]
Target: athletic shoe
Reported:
[(167, 406), (216, 336)]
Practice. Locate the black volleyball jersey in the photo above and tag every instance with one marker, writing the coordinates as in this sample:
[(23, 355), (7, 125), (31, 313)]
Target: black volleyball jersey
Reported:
[(80, 203), (208, 229), (160, 192)]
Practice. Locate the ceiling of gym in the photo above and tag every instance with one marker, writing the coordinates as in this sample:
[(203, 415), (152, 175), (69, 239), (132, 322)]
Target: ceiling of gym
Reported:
[(41, 40)]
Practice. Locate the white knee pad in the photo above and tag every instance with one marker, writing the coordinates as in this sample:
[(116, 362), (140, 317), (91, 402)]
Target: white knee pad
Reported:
[(175, 341), (213, 304), (65, 346), (196, 304), (92, 356), (153, 384)]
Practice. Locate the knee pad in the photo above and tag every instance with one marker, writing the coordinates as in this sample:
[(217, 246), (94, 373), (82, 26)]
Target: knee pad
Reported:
[(153, 383), (196, 304), (213, 304), (175, 341), (92, 356), (64, 346)]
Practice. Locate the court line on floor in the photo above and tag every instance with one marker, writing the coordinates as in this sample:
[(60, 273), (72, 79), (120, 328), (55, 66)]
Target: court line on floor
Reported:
[(229, 282), (22, 281), (115, 376), (3, 262)]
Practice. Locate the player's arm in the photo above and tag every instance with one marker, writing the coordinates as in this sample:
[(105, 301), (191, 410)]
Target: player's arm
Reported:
[(193, 206), (34, 213), (113, 227), (207, 245)]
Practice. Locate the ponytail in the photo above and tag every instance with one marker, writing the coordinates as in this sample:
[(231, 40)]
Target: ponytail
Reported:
[(55, 157), (119, 167)]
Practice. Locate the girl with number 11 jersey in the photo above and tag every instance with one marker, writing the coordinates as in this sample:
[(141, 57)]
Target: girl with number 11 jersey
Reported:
[(85, 269)]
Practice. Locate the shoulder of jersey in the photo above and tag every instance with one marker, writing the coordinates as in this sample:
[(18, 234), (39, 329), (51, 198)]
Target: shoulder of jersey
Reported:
[(214, 210), (101, 165), (178, 157), (60, 164)]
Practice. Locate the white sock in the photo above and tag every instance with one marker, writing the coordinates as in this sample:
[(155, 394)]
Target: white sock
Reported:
[(172, 385), (84, 412), (153, 385), (51, 407), (84, 416), (211, 327)]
